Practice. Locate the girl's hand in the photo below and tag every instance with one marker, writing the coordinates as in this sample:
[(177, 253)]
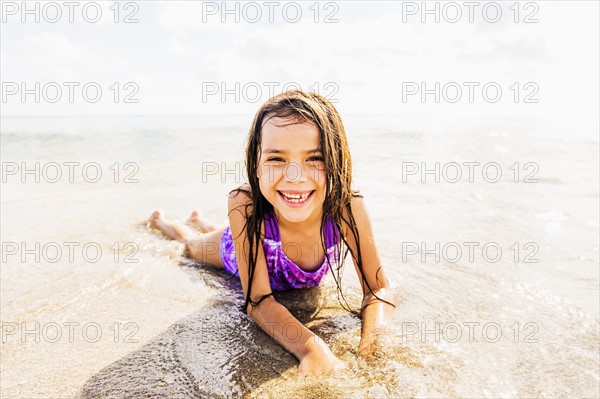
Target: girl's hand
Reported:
[(366, 349), (318, 360), (375, 344)]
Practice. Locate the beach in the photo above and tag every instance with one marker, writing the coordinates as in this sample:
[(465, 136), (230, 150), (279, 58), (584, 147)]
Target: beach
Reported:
[(497, 274)]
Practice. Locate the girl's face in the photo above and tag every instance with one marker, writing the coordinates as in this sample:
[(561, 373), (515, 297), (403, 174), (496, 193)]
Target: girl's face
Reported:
[(291, 170)]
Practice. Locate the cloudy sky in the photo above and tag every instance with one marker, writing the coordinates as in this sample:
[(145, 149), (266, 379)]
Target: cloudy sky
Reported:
[(194, 58)]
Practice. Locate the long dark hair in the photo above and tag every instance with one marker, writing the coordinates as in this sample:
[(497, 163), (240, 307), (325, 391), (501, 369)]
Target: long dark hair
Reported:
[(312, 108)]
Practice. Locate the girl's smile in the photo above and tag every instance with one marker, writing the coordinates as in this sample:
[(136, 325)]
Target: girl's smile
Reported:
[(296, 199)]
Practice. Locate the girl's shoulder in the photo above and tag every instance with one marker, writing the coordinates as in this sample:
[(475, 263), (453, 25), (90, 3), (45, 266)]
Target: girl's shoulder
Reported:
[(241, 193), (240, 208), (359, 213), (240, 196)]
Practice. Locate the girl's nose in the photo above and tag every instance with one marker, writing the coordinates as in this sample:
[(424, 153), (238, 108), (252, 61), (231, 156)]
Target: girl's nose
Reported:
[(294, 173)]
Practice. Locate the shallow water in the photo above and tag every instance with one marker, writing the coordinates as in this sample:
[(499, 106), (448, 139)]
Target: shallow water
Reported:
[(509, 327)]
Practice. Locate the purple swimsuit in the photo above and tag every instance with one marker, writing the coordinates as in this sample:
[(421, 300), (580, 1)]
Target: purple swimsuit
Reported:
[(283, 273)]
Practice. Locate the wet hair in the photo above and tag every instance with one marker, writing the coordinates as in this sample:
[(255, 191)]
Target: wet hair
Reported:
[(302, 107)]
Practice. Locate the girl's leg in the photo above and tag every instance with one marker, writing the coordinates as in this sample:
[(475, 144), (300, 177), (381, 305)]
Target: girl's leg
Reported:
[(175, 231), (205, 248), (201, 224)]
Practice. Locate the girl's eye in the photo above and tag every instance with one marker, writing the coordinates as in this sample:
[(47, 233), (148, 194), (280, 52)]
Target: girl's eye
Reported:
[(311, 159)]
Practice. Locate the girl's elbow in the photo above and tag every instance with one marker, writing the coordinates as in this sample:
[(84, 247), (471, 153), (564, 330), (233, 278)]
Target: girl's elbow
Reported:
[(257, 310)]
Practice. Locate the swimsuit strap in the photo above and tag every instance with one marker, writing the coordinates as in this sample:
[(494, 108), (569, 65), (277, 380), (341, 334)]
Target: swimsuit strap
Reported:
[(272, 229), (331, 233)]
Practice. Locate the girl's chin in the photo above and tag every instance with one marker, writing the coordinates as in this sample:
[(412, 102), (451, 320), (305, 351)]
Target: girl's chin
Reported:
[(293, 219), (295, 215)]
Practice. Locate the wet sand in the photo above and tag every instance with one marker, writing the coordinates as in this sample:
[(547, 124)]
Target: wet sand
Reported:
[(219, 352)]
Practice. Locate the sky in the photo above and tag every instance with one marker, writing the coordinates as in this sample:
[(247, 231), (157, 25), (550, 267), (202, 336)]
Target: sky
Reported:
[(486, 59)]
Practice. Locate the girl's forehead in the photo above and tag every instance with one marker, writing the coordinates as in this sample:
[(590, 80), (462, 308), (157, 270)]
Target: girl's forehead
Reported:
[(289, 133), (277, 122)]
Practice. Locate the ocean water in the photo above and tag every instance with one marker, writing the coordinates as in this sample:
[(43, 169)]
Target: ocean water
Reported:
[(488, 231)]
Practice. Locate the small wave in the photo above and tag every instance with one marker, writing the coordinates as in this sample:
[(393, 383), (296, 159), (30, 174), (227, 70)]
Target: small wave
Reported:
[(553, 216), (549, 180)]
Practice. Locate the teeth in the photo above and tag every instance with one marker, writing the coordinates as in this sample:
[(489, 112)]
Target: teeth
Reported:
[(296, 197)]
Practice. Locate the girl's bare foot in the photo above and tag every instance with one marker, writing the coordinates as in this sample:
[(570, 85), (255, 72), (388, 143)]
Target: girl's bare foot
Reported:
[(200, 224), (174, 231), (154, 218)]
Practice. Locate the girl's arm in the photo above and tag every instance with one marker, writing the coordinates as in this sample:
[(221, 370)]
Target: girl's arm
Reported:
[(312, 352), (376, 314)]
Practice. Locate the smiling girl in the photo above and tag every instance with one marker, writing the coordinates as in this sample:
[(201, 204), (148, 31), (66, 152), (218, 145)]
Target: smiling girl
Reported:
[(298, 202)]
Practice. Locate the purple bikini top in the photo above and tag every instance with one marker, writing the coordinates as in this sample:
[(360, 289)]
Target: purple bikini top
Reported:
[(285, 274)]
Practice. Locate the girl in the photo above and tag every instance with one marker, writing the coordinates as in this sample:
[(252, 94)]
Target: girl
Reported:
[(300, 207)]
